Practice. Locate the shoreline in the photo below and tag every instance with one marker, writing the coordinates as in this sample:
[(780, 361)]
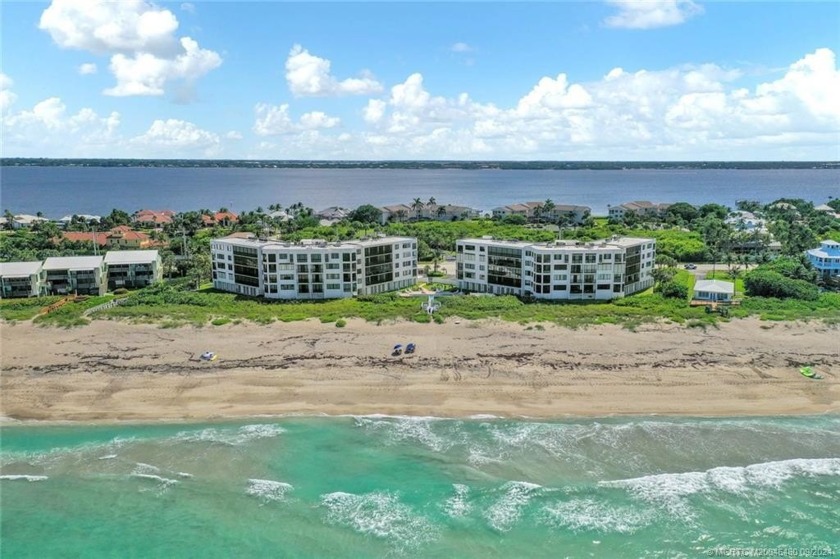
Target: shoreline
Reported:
[(112, 372), (6, 422)]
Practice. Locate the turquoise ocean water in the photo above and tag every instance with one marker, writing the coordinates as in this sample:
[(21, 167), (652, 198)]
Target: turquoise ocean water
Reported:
[(421, 487)]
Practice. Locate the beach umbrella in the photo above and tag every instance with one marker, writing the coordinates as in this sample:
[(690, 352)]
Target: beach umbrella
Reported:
[(398, 346)]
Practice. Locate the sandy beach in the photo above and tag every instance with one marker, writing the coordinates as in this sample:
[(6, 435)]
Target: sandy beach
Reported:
[(110, 371)]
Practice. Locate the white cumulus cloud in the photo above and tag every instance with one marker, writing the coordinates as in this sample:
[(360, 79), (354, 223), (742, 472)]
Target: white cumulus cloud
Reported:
[(7, 96), (461, 47), (165, 136), (649, 14), (48, 129), (87, 69), (140, 38), (685, 112), (275, 120), (309, 76)]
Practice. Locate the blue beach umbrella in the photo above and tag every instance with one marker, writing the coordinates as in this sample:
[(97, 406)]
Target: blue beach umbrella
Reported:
[(398, 346)]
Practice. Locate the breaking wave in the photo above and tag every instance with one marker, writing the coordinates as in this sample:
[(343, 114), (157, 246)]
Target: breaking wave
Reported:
[(380, 515), (268, 490), (671, 490)]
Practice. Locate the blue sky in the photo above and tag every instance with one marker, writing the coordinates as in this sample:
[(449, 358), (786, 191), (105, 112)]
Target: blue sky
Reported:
[(595, 80)]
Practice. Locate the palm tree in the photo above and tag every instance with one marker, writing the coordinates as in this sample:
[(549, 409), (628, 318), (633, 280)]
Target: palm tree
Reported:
[(432, 201), (441, 212), (401, 215), (417, 206), (548, 207)]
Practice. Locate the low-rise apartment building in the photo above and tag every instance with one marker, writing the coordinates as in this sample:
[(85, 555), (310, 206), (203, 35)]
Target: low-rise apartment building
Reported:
[(133, 268), (313, 269), (641, 208), (22, 279), (572, 270), (81, 275)]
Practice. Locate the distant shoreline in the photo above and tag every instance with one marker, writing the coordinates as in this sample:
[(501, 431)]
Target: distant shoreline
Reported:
[(408, 164)]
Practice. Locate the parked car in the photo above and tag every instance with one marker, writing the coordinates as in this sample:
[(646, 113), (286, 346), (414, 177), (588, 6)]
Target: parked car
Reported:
[(690, 266)]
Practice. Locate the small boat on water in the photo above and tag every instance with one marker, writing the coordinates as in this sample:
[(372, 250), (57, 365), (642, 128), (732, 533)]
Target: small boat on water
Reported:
[(810, 373)]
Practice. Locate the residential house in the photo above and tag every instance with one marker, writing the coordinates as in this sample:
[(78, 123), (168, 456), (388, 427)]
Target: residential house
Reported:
[(333, 213), (25, 221), (121, 237), (826, 258), (825, 208), (222, 219), (67, 219), (397, 212), (133, 268), (124, 238), (313, 269), (449, 212), (746, 221), (94, 238), (153, 219), (524, 210), (557, 270), (714, 291), (82, 275), (22, 279), (642, 208)]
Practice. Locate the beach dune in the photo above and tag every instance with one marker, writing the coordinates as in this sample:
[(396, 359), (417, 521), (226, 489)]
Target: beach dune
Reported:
[(111, 370)]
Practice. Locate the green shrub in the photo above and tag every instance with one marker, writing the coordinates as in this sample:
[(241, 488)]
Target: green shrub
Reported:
[(673, 290), (219, 321), (340, 323), (767, 283)]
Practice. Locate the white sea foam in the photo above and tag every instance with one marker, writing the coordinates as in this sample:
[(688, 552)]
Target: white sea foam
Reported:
[(23, 477), (48, 457), (671, 490), (402, 429), (231, 437), (143, 468), (589, 514), (163, 483), (107, 457), (457, 505), (380, 515), (505, 512), (268, 490)]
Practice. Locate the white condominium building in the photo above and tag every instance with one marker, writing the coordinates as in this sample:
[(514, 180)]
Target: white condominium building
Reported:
[(313, 269), (573, 270)]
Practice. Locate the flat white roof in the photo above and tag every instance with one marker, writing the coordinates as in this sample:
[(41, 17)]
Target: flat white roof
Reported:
[(715, 286), (73, 262), (19, 269), (309, 244), (131, 256)]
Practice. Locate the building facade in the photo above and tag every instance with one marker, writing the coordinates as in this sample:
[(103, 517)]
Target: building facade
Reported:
[(826, 258), (313, 269), (570, 270), (22, 279), (81, 275), (133, 268), (641, 208)]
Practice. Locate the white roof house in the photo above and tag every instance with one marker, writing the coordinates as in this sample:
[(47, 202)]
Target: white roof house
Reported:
[(131, 257), (26, 220), (73, 262), (714, 290), (19, 269)]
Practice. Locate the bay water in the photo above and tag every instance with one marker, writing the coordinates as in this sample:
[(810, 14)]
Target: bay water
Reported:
[(422, 487), (60, 191)]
